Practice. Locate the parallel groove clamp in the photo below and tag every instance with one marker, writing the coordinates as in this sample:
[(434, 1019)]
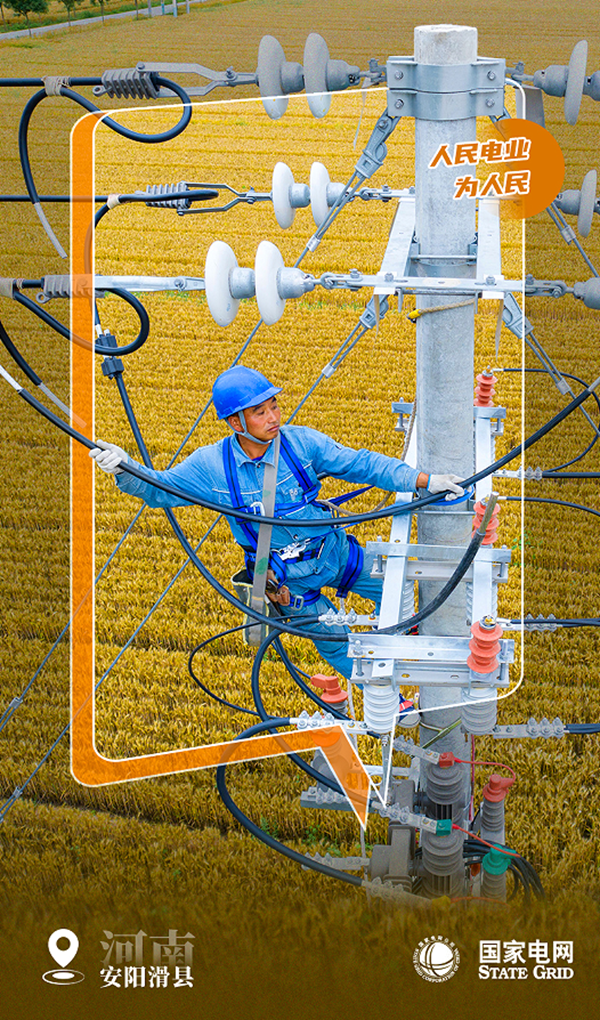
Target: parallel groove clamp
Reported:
[(130, 83), (53, 83)]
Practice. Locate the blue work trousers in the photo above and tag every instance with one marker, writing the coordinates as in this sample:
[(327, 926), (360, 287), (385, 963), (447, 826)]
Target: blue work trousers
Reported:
[(326, 571)]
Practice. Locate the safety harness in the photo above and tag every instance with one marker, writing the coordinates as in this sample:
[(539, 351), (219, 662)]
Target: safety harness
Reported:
[(297, 551)]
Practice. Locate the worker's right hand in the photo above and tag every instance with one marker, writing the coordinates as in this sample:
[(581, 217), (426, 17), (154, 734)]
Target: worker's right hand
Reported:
[(445, 483), (108, 457)]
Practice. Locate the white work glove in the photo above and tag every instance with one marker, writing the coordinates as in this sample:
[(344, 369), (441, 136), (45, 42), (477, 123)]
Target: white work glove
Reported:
[(445, 483), (109, 457)]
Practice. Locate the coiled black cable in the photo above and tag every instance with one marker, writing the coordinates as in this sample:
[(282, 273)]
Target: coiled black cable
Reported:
[(266, 837), (99, 348), (134, 136)]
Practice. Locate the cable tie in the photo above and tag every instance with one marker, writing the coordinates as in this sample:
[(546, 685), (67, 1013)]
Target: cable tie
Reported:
[(113, 200), (53, 83)]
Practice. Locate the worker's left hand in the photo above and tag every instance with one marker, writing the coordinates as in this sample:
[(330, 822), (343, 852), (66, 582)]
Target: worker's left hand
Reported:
[(445, 483), (108, 456)]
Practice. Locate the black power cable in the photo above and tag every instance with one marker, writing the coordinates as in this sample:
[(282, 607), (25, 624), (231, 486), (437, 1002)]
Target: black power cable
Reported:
[(389, 511), (557, 502), (266, 837), (134, 136), (203, 687), (576, 378), (99, 348)]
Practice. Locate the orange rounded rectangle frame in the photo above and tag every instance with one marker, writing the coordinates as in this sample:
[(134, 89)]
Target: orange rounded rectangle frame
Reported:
[(89, 767)]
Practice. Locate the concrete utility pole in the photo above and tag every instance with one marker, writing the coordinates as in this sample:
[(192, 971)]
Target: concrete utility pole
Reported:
[(445, 340)]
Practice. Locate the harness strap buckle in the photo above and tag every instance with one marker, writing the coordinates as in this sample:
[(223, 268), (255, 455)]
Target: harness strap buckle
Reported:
[(292, 550)]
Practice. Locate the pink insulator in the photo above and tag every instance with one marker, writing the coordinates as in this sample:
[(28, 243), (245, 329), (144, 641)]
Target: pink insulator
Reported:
[(484, 645), (491, 532), (484, 391)]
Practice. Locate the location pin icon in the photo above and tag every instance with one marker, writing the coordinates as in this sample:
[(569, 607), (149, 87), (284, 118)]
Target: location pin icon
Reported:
[(63, 957)]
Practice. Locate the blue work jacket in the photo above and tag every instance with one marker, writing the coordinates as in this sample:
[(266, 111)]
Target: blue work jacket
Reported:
[(202, 474)]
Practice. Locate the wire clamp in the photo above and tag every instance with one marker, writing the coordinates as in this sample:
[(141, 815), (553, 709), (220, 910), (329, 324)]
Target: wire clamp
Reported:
[(532, 729)]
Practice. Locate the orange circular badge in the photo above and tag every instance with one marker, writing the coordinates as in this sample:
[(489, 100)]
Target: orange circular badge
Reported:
[(533, 166)]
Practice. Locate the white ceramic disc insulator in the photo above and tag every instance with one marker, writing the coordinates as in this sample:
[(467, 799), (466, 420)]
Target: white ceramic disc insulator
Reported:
[(271, 59), (587, 203), (283, 180), (575, 81), (319, 180), (220, 260), (316, 58), (269, 261)]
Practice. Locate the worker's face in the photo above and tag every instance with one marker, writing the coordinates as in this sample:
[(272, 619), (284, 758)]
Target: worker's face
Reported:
[(262, 421)]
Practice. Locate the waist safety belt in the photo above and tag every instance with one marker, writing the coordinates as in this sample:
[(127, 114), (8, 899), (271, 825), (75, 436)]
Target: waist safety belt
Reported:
[(259, 557)]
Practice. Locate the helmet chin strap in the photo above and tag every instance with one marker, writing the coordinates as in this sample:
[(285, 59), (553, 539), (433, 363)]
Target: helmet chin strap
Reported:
[(248, 435)]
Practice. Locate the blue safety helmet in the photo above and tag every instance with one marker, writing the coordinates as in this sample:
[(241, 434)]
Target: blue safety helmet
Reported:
[(239, 388)]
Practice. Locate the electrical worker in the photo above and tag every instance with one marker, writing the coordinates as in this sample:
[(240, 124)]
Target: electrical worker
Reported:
[(231, 472)]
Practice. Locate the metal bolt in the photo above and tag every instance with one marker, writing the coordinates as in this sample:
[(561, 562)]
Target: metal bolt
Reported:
[(491, 75), (399, 75), (179, 283), (489, 102), (399, 104), (141, 65)]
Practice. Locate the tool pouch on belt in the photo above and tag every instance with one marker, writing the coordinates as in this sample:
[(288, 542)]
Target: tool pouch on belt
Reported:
[(242, 585)]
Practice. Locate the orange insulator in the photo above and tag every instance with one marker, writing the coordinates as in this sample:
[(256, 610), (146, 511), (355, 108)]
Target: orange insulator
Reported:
[(484, 391), (484, 645), (330, 685), (491, 532)]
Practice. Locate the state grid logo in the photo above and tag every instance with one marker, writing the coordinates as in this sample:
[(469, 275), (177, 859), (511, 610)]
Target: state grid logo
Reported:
[(436, 959)]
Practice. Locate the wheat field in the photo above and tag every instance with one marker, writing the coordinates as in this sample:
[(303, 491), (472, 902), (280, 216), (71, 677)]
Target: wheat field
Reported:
[(270, 938)]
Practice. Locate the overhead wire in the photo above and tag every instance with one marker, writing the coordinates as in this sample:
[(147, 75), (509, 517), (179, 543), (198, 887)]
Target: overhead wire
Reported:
[(125, 132), (558, 377)]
